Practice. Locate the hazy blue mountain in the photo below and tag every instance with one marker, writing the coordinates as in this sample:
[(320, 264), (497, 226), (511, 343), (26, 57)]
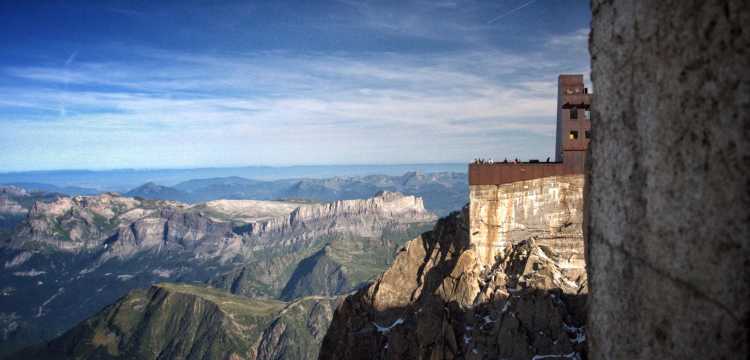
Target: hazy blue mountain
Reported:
[(122, 180), (66, 190), (442, 192), (154, 191), (234, 187)]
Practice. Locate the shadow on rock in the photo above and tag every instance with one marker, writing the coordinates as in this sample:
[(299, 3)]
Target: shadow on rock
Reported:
[(437, 301)]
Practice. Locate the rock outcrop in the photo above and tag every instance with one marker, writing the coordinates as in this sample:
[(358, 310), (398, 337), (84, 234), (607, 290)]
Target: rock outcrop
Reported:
[(442, 300), (14, 206), (669, 207), (176, 321)]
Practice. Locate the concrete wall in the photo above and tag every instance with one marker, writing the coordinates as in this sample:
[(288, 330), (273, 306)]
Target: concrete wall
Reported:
[(550, 209), (668, 233)]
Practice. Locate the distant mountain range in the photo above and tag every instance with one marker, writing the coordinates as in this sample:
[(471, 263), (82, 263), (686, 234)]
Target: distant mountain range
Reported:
[(66, 258), (442, 192), (122, 180), (49, 188)]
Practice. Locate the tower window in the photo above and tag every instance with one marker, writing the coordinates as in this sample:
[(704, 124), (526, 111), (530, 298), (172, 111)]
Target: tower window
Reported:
[(588, 134), (574, 113), (573, 135), (587, 113)]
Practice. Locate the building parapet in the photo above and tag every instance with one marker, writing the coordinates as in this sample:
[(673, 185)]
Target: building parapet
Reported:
[(504, 173)]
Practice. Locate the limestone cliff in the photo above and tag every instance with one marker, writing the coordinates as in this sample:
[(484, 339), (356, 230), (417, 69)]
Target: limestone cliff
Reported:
[(443, 298), (124, 226), (548, 209)]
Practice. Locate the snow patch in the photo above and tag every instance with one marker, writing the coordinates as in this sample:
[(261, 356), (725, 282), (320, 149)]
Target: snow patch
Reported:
[(561, 279), (87, 270), (7, 291), (386, 329), (18, 260), (30, 273), (40, 310), (505, 307), (573, 355), (578, 332), (163, 273)]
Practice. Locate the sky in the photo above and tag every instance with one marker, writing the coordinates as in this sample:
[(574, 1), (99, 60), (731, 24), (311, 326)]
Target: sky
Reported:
[(177, 84)]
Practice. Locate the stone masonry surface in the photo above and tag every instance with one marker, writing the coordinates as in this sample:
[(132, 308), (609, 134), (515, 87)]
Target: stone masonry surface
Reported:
[(668, 221)]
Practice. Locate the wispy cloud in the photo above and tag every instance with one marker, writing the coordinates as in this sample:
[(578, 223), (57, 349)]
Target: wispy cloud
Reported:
[(71, 58)]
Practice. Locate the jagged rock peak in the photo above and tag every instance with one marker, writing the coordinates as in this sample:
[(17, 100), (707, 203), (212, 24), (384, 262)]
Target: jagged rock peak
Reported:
[(441, 300)]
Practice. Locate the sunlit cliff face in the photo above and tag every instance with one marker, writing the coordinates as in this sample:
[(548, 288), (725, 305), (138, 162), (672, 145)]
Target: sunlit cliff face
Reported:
[(548, 209)]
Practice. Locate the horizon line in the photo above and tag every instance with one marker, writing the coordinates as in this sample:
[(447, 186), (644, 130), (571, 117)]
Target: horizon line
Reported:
[(145, 169)]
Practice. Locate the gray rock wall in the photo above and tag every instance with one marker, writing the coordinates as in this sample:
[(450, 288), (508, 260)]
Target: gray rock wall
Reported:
[(548, 209), (668, 226)]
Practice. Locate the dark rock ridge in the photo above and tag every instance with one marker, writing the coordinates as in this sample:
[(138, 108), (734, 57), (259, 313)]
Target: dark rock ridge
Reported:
[(178, 321), (669, 207), (439, 301)]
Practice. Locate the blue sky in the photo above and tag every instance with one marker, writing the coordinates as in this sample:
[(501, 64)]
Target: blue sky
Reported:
[(164, 84)]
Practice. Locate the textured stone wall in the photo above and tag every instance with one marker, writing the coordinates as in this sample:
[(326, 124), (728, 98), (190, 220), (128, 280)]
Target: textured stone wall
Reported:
[(668, 225), (549, 209)]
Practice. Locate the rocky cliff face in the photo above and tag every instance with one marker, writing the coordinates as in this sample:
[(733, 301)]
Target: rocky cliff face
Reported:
[(344, 243), (174, 321), (79, 223), (441, 299), (124, 226), (550, 210)]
